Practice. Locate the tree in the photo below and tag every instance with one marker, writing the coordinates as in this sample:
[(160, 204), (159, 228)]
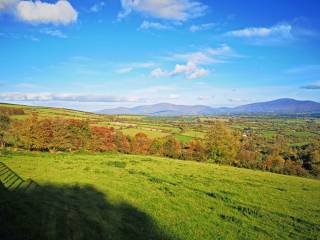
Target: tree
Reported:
[(102, 139), (222, 143), (78, 134), (122, 143), (274, 163), (4, 125), (196, 150), (249, 159), (312, 158), (294, 168), (156, 147), (172, 147), (140, 143)]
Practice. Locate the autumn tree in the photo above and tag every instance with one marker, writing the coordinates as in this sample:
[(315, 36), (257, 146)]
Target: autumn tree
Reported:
[(248, 158), (156, 147), (122, 143), (102, 139), (312, 158), (11, 111), (222, 143), (274, 163), (196, 150), (294, 168), (4, 125), (172, 147), (78, 134), (140, 143)]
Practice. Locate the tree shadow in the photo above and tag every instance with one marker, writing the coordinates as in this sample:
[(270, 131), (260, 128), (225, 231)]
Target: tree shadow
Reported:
[(71, 212)]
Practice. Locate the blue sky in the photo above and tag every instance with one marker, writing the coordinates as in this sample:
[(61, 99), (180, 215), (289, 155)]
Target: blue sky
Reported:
[(96, 54)]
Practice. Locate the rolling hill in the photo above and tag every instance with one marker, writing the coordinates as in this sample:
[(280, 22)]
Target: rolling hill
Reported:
[(279, 106), (118, 196)]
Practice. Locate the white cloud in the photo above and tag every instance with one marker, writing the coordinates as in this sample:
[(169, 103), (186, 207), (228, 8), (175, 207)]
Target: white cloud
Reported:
[(201, 27), (195, 57), (192, 68), (188, 68), (197, 73), (97, 7), (174, 96), (223, 50), (176, 10), (158, 72), (203, 98), (190, 71), (280, 30), (153, 25), (143, 65), (60, 12), (239, 100), (68, 97), (54, 33), (124, 70), (207, 56), (136, 65)]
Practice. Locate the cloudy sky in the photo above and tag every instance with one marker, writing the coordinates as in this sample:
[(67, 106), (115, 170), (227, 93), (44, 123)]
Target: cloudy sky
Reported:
[(96, 54)]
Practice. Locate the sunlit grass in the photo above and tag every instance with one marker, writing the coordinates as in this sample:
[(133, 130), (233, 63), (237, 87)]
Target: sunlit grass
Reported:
[(188, 200)]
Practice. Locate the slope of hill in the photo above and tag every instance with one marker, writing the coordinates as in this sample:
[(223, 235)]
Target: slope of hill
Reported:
[(281, 106), (284, 105), (115, 196), (160, 109)]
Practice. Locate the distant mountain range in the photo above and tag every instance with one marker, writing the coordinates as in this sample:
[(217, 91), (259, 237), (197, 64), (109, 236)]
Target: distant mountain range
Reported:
[(279, 106)]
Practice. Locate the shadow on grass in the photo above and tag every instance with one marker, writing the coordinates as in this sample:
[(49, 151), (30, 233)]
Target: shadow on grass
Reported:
[(71, 212)]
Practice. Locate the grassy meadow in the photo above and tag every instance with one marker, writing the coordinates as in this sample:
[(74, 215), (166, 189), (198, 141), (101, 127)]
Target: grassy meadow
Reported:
[(297, 131), (117, 196)]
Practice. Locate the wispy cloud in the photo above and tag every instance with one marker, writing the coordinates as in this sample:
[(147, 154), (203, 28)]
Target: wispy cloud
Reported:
[(63, 97), (201, 27), (173, 96), (25, 85), (32, 38), (203, 98), (158, 72), (124, 70), (97, 7), (281, 30), (276, 34), (54, 33), (153, 25), (132, 66), (176, 10), (190, 70), (194, 62)]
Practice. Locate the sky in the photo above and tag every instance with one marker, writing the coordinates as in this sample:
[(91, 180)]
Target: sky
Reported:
[(91, 55)]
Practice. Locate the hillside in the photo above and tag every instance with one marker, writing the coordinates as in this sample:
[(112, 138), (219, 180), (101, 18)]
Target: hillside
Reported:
[(115, 196), (279, 106), (284, 105), (160, 109)]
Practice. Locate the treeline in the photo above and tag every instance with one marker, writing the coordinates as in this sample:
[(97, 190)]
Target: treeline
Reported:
[(221, 144), (11, 111)]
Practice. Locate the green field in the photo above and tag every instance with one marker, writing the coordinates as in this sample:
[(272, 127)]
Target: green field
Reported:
[(116, 196), (296, 130)]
